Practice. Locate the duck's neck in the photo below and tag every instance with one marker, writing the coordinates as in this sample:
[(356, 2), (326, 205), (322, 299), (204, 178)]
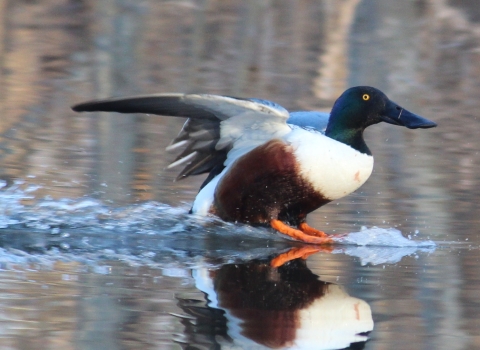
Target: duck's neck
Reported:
[(350, 137)]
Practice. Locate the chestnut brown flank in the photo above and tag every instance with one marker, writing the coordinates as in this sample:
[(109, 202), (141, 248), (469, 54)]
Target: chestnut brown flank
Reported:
[(265, 184)]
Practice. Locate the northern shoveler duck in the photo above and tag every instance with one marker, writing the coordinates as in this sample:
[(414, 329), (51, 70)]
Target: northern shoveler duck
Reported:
[(266, 165)]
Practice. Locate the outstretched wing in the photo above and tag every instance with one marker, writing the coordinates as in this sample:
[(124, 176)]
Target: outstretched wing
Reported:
[(218, 130)]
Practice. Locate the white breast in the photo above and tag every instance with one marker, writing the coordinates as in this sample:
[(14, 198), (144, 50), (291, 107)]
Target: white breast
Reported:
[(333, 168)]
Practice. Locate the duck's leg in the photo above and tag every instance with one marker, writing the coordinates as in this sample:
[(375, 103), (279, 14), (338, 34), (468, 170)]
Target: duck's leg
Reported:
[(309, 230), (299, 235), (295, 253)]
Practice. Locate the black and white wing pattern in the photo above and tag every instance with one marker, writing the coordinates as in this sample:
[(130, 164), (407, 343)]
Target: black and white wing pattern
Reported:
[(218, 130)]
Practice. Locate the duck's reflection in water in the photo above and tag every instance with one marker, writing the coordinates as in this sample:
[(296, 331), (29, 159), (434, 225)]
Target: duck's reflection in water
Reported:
[(255, 305)]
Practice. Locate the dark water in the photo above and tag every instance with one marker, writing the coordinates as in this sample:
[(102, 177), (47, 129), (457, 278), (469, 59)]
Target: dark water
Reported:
[(97, 248)]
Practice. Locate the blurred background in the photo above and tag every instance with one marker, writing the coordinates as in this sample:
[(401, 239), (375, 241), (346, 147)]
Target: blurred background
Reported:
[(424, 54)]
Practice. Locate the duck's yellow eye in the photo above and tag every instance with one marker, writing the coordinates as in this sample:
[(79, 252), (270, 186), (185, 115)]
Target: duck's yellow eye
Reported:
[(366, 97)]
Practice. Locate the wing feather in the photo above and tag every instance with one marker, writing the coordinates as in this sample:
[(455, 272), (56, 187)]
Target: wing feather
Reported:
[(216, 125)]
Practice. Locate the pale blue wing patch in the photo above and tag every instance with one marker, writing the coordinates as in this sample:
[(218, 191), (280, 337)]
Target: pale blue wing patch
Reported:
[(309, 119)]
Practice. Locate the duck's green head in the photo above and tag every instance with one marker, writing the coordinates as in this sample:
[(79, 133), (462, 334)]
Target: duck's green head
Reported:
[(362, 106)]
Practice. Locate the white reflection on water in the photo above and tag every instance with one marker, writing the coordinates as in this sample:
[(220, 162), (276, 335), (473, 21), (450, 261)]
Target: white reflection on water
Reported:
[(285, 307)]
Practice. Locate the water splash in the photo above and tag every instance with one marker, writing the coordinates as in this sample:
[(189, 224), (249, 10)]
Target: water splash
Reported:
[(381, 246), (382, 237), (155, 233)]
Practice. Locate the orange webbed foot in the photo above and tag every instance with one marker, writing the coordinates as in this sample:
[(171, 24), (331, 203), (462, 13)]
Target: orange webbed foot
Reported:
[(309, 230), (300, 235)]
